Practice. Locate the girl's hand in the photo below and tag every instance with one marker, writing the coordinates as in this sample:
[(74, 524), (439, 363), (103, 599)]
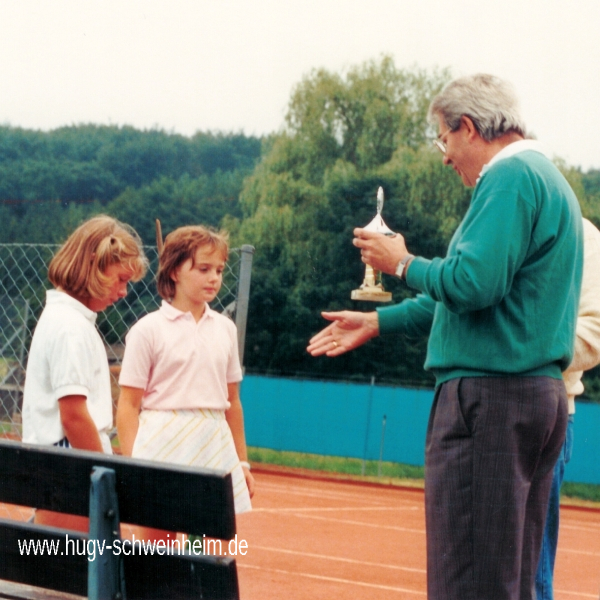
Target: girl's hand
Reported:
[(249, 481), (128, 413)]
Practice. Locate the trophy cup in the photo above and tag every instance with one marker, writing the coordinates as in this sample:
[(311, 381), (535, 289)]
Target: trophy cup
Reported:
[(372, 286)]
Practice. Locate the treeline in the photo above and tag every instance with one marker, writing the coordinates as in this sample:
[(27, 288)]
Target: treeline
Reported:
[(296, 196), (50, 181)]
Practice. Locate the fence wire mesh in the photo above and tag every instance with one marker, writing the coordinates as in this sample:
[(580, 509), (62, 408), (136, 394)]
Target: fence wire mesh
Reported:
[(23, 285)]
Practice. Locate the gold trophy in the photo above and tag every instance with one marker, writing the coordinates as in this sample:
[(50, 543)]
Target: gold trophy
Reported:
[(372, 286)]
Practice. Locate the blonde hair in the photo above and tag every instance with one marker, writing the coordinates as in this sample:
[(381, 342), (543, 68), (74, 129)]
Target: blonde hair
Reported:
[(79, 265), (181, 245)]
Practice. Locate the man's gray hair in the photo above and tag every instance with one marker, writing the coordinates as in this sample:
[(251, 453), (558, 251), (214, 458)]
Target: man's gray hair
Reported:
[(490, 102)]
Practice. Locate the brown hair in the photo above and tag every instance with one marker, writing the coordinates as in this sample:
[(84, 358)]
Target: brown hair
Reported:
[(79, 265), (181, 245)]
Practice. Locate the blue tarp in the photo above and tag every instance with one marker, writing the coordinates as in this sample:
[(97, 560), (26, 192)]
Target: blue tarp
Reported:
[(359, 420)]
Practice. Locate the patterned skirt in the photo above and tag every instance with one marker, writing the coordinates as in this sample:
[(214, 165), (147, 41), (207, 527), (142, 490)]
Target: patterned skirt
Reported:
[(196, 438)]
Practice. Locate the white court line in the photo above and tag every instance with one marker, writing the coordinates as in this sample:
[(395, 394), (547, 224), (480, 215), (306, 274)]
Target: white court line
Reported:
[(331, 509), (298, 491), (384, 587), (577, 594), (335, 579), (573, 551), (339, 559), (303, 491), (361, 523), (586, 527), (349, 560), (333, 486)]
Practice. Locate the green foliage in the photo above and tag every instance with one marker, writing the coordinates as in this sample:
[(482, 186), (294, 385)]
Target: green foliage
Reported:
[(89, 162), (335, 464), (49, 182), (591, 383), (583, 491), (590, 194), (345, 138), (363, 118), (206, 199)]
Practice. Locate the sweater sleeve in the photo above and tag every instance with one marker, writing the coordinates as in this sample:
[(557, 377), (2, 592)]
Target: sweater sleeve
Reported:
[(413, 317), (487, 249)]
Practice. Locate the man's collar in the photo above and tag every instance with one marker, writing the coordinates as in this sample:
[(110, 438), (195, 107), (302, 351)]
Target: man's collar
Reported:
[(511, 150)]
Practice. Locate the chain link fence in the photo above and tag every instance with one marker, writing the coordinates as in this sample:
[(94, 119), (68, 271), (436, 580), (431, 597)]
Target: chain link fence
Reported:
[(23, 278)]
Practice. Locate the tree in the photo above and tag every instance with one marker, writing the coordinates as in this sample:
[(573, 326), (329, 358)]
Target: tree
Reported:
[(345, 137), (43, 173), (205, 200)]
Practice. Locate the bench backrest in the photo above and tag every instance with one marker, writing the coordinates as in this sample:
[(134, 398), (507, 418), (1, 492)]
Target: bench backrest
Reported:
[(172, 497)]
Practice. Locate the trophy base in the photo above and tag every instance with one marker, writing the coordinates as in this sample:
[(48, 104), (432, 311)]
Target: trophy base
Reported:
[(371, 294)]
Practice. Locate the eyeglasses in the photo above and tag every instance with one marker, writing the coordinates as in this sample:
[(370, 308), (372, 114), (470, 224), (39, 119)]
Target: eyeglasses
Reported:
[(439, 143)]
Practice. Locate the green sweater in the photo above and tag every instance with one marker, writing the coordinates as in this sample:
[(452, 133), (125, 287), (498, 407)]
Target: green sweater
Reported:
[(504, 300)]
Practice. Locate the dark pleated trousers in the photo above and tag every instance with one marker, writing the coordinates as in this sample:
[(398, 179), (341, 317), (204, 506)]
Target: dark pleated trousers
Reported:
[(492, 443)]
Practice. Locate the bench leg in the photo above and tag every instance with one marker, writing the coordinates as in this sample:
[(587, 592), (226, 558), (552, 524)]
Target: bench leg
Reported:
[(106, 579)]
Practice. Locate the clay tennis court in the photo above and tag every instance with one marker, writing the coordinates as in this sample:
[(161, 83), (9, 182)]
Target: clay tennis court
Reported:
[(320, 539)]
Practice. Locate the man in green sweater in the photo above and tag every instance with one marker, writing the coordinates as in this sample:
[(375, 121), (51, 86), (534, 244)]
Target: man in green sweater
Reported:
[(500, 309)]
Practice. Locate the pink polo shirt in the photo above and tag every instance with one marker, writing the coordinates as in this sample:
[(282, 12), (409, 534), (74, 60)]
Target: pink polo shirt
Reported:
[(181, 364)]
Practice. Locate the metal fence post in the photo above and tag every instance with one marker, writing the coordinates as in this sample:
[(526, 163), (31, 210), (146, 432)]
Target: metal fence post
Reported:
[(368, 426), (381, 445), (243, 296)]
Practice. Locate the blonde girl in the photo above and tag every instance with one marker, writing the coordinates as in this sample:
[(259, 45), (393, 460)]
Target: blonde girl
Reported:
[(67, 399)]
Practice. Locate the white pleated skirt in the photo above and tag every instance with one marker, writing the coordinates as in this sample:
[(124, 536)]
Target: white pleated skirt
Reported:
[(197, 438)]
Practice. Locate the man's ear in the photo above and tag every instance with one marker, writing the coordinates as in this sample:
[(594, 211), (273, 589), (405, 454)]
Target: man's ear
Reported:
[(470, 128)]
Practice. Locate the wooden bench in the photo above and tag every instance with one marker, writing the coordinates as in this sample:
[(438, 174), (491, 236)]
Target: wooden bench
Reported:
[(109, 489)]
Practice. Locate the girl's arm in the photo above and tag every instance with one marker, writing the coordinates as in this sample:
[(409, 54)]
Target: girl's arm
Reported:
[(128, 410), (77, 423), (235, 420)]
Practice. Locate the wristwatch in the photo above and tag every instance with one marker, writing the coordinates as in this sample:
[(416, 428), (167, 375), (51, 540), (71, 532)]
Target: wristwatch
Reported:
[(402, 266)]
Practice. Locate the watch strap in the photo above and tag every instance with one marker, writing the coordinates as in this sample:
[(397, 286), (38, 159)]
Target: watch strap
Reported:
[(401, 269)]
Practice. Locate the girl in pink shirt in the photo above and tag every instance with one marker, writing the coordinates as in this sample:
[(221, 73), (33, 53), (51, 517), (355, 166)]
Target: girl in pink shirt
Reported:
[(180, 376)]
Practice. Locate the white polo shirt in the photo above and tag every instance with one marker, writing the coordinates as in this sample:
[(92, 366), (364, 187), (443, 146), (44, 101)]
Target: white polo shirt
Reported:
[(181, 364), (67, 357)]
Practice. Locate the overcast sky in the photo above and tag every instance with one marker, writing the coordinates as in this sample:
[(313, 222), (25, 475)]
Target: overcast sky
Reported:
[(230, 65)]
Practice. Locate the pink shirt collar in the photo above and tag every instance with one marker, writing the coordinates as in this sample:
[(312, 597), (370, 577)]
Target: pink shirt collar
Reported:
[(172, 313)]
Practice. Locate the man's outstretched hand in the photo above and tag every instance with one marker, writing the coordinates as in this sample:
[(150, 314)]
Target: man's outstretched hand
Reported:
[(348, 330)]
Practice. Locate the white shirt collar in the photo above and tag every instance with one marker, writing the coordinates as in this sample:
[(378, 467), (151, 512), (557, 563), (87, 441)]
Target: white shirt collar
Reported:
[(511, 150), (56, 297)]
